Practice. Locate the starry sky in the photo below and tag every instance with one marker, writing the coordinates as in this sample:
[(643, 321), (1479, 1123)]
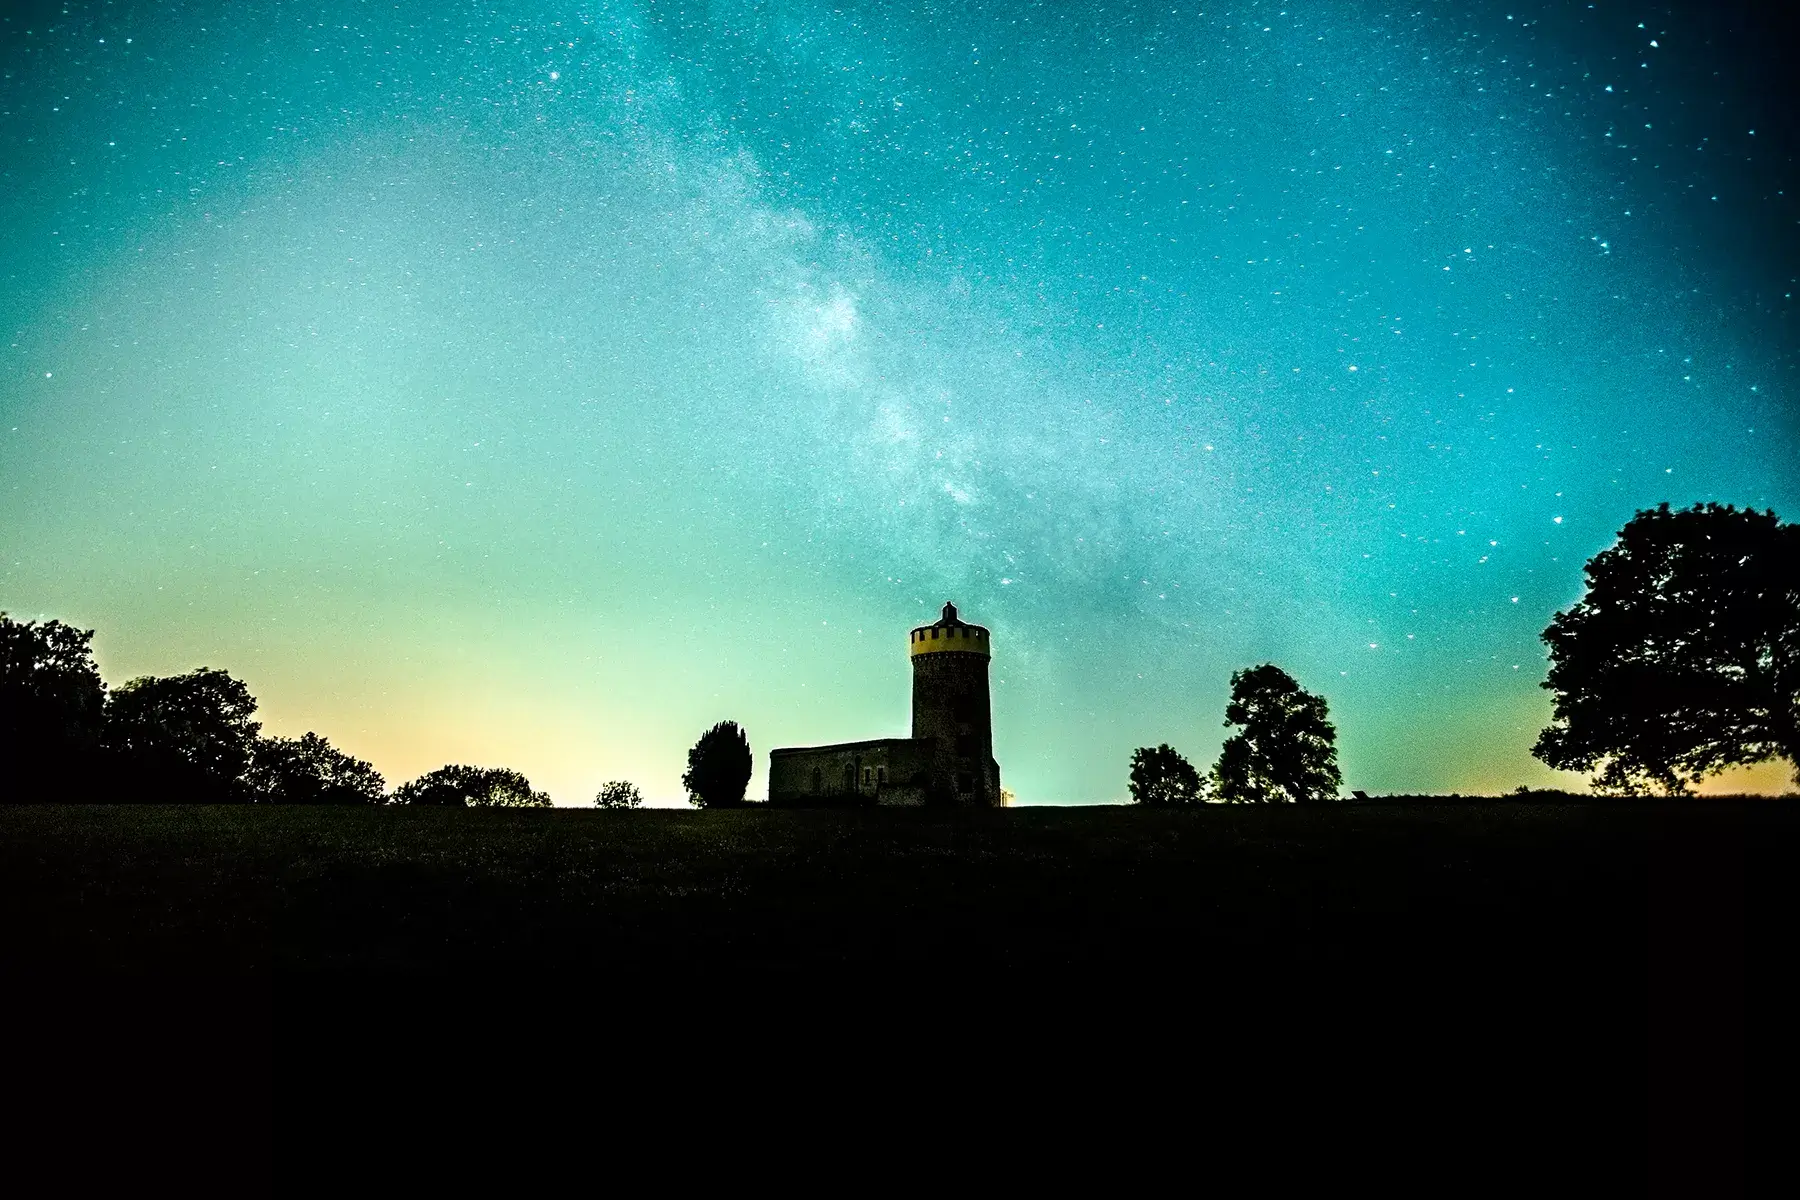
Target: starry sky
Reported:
[(536, 384)]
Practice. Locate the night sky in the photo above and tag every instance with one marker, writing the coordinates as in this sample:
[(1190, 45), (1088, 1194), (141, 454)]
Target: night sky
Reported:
[(536, 384)]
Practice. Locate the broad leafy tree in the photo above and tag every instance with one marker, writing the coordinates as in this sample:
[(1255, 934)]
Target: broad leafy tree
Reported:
[(1683, 656), (310, 770), (1286, 747), (619, 794), (52, 707), (1161, 778), (718, 767), (181, 738), (471, 787)]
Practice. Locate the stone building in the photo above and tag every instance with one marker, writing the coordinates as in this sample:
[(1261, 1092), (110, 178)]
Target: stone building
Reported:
[(948, 760)]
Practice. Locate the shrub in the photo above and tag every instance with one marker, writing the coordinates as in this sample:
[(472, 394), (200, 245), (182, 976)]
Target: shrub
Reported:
[(718, 767), (619, 794), (310, 770), (1161, 778), (471, 787)]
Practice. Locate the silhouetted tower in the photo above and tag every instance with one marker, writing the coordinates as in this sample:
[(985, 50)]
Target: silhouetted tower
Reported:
[(950, 706)]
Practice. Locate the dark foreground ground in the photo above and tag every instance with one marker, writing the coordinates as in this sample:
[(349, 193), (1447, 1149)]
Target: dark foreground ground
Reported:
[(763, 895), (1575, 977)]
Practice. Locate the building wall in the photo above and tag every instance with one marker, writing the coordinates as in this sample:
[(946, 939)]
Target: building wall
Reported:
[(950, 702), (951, 708), (885, 771)]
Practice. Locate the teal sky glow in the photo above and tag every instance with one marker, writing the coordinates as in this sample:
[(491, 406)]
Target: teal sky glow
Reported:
[(537, 389)]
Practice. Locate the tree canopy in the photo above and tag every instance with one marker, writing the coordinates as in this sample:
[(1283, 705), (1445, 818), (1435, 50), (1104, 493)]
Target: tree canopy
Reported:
[(310, 770), (1161, 777), (52, 708), (1286, 750), (181, 738), (718, 767), (1683, 656), (619, 794), (471, 787)]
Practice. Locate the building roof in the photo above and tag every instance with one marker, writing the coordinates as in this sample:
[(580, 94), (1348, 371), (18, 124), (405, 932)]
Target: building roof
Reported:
[(869, 744), (949, 620)]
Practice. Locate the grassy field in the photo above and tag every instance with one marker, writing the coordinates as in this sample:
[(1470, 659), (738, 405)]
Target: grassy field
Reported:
[(1524, 981), (1540, 887)]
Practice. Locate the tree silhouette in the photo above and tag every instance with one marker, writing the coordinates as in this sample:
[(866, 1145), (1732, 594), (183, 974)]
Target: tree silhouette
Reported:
[(1287, 750), (471, 787), (310, 770), (619, 794), (181, 738), (1161, 777), (52, 709), (718, 767), (1683, 656)]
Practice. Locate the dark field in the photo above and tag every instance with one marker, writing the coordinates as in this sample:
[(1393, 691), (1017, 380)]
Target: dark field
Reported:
[(1586, 968), (1465, 886)]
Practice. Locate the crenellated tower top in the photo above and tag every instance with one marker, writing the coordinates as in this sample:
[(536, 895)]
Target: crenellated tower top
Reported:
[(949, 634)]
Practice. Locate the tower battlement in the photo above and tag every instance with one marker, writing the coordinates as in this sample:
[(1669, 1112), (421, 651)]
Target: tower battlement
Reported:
[(949, 634)]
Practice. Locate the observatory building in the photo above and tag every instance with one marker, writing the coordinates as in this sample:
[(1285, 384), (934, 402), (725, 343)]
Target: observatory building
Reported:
[(948, 760)]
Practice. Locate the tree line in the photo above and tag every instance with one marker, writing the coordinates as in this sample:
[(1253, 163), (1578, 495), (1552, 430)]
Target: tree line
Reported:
[(193, 739), (188, 738), (1681, 659)]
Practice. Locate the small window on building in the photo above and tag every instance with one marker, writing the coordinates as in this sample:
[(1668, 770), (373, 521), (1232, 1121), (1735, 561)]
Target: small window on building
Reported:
[(934, 631), (868, 776), (880, 774), (818, 780), (965, 783)]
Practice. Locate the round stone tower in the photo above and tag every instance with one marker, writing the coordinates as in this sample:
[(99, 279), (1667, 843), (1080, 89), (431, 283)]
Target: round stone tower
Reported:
[(950, 707)]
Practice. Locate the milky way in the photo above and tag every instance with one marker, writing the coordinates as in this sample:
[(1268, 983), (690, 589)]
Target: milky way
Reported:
[(536, 389)]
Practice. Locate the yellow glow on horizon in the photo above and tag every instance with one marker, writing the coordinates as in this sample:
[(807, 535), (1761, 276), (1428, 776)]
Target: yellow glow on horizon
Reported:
[(1774, 778)]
